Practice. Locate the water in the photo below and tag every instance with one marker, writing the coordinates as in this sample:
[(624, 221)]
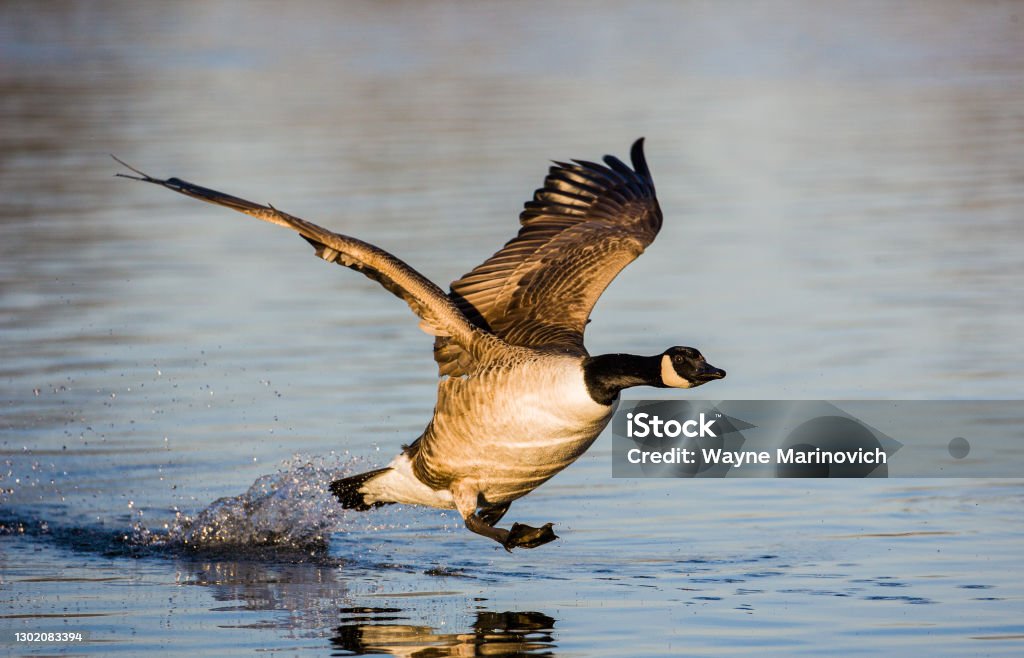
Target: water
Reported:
[(843, 193)]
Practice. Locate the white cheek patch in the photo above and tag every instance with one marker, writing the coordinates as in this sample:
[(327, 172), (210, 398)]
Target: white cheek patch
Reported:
[(669, 376)]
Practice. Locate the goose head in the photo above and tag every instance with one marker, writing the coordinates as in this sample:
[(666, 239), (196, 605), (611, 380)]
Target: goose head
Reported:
[(685, 367)]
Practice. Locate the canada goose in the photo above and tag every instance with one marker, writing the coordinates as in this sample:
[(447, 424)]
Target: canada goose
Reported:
[(519, 397)]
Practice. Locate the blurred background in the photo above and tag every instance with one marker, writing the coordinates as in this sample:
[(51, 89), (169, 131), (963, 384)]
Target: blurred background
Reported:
[(843, 187)]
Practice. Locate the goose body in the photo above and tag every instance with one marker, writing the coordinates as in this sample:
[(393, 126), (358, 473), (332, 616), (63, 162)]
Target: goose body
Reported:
[(503, 444), (519, 397)]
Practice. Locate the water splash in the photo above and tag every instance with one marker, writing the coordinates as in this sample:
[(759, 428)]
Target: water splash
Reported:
[(286, 516), (291, 510)]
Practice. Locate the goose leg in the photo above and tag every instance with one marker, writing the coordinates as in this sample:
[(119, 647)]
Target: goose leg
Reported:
[(491, 514), (467, 500), (476, 524)]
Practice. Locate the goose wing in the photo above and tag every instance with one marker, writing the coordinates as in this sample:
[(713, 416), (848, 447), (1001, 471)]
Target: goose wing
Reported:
[(439, 314), (580, 230)]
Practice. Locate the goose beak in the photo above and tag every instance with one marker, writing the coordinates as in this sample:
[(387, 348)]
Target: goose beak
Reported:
[(709, 372)]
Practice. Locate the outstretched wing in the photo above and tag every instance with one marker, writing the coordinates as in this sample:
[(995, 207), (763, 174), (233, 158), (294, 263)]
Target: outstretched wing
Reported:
[(580, 230), (439, 314)]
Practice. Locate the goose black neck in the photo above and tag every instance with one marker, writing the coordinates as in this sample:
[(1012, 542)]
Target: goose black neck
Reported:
[(606, 375)]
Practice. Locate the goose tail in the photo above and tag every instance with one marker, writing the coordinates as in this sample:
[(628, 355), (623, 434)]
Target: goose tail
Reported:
[(352, 493)]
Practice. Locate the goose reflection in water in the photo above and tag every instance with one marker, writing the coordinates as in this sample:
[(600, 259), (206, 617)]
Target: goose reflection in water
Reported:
[(387, 631)]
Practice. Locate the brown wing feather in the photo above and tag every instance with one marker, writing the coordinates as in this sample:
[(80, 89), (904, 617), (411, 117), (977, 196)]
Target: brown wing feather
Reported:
[(438, 313), (580, 230)]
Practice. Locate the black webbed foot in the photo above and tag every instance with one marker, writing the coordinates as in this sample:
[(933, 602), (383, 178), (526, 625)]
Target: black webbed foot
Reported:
[(524, 536), (519, 536)]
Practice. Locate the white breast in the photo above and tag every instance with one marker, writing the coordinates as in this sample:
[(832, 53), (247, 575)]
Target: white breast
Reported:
[(511, 429)]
